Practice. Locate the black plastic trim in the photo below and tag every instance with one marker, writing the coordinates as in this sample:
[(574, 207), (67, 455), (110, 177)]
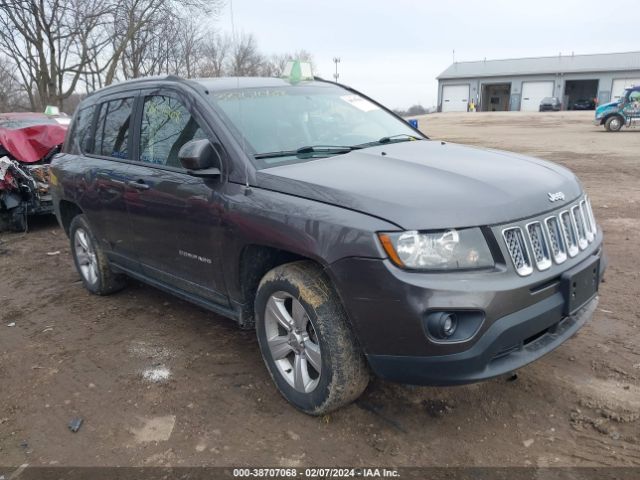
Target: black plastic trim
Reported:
[(486, 359)]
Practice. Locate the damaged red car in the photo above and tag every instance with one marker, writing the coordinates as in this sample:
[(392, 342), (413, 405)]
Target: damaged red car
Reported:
[(28, 141)]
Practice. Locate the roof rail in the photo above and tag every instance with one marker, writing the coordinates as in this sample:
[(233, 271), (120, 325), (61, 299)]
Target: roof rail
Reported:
[(170, 77)]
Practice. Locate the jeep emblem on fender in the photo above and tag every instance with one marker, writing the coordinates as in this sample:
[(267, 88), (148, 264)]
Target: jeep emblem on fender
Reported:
[(554, 197)]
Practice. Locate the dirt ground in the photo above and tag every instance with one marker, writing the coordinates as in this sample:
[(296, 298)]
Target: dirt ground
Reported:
[(161, 382)]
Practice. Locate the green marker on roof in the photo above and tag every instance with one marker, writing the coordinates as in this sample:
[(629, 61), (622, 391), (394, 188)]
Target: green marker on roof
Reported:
[(296, 71), (51, 110)]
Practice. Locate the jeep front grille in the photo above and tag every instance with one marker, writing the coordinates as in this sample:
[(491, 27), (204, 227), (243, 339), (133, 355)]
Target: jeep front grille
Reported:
[(553, 239)]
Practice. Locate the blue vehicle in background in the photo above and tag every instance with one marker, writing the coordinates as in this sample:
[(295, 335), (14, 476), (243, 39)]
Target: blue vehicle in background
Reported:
[(622, 113)]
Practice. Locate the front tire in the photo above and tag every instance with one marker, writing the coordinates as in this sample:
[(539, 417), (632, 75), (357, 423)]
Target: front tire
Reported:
[(305, 340), (613, 124), (90, 260)]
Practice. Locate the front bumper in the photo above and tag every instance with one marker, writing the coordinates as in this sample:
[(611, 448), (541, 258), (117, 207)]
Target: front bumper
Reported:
[(510, 343), (524, 317)]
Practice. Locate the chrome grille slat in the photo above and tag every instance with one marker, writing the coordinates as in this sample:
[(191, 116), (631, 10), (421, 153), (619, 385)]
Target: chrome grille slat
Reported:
[(570, 235), (556, 238), (539, 247), (581, 226), (592, 218), (518, 250), (587, 221), (541, 242)]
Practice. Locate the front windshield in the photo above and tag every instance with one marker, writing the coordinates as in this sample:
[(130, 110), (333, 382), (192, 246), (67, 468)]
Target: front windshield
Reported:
[(276, 121)]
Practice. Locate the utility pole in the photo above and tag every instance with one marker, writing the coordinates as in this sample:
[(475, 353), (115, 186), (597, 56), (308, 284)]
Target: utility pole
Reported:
[(336, 75)]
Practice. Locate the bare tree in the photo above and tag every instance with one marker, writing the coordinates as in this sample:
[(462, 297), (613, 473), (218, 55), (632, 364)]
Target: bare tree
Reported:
[(246, 60), (215, 50), (56, 44), (12, 96), (275, 65), (148, 34), (48, 41), (63, 48), (145, 52), (135, 28), (190, 43)]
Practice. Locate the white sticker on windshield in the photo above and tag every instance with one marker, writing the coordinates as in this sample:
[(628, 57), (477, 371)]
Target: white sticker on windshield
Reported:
[(360, 103)]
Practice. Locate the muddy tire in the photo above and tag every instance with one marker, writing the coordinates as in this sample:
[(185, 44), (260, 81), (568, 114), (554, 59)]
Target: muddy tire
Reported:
[(306, 341), (90, 260), (613, 124)]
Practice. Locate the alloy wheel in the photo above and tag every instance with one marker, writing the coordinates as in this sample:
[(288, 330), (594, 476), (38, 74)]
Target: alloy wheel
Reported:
[(86, 256), (292, 342)]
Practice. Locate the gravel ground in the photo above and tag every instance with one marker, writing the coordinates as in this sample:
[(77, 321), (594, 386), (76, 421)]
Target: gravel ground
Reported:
[(161, 382)]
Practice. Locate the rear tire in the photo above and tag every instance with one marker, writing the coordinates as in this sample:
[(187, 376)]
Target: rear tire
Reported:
[(13, 221), (305, 339), (19, 219), (91, 261), (613, 124)]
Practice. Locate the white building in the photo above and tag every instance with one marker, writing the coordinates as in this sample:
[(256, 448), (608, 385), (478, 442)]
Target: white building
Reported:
[(520, 83)]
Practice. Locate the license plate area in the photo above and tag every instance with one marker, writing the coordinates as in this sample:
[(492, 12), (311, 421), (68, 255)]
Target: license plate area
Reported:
[(580, 284)]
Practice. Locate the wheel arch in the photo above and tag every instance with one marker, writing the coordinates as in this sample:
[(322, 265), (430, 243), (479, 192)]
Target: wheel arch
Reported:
[(254, 262), (609, 115), (68, 211)]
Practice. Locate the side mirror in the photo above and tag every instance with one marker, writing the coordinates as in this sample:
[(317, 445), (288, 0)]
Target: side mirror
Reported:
[(200, 158)]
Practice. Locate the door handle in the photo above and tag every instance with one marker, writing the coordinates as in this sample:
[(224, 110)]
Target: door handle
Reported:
[(138, 184)]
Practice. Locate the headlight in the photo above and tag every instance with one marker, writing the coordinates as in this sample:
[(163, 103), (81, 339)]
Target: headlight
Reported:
[(442, 250)]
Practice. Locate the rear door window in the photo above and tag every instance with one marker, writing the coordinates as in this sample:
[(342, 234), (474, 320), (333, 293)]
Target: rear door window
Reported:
[(166, 126), (113, 127)]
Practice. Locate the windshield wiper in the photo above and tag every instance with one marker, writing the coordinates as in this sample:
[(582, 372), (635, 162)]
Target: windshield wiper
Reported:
[(400, 137), (310, 149)]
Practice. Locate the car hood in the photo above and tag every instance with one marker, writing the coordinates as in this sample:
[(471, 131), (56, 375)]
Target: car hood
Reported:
[(31, 144), (428, 184), (606, 106)]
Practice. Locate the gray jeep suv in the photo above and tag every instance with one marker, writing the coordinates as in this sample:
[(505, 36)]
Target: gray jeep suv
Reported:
[(349, 241)]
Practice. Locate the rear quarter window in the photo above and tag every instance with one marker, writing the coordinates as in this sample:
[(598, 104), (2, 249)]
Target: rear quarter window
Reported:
[(80, 134)]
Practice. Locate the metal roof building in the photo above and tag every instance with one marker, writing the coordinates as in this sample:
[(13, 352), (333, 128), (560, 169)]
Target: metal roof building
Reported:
[(521, 83)]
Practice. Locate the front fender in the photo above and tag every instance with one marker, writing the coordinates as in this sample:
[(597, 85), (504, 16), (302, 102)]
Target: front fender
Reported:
[(318, 231)]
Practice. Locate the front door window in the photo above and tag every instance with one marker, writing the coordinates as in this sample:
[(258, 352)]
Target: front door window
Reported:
[(166, 126)]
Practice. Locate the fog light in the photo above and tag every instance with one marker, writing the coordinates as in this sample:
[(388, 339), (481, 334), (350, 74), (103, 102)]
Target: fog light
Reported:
[(449, 325), (442, 325), (453, 325)]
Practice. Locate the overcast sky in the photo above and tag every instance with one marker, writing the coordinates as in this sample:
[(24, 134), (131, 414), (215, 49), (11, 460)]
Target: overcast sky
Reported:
[(392, 50)]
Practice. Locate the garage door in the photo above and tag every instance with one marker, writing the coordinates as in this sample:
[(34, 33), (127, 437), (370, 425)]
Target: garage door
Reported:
[(620, 84), (455, 98), (532, 93)]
